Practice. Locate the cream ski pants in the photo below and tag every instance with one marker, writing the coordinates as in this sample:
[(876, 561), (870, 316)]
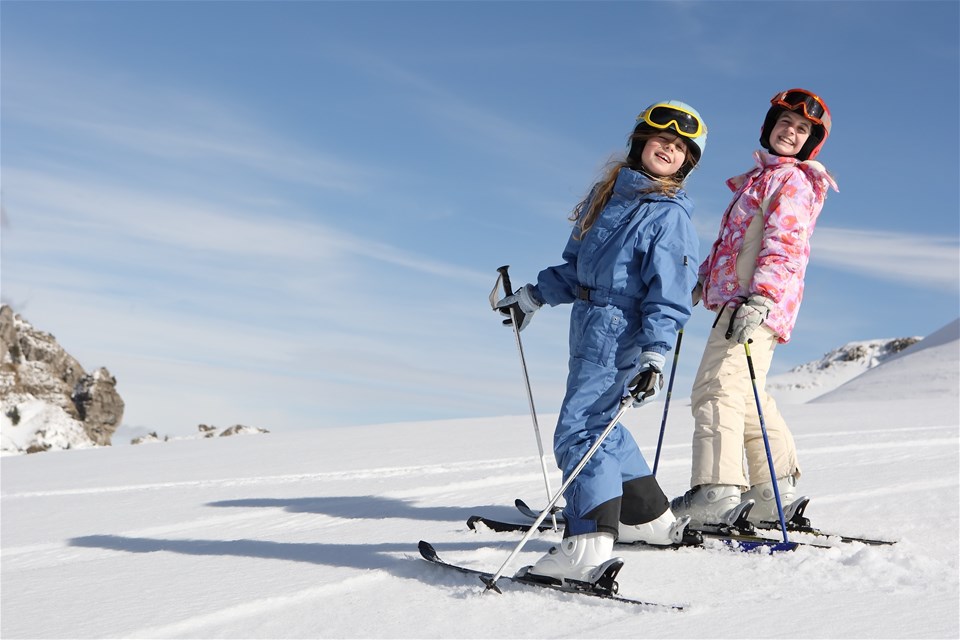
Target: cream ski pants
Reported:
[(727, 440)]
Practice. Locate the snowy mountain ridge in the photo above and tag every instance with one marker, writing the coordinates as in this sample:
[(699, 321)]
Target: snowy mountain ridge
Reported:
[(932, 366), (807, 381)]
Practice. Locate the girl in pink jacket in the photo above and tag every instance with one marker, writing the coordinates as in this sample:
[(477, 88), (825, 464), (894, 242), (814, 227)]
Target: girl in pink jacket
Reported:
[(753, 280)]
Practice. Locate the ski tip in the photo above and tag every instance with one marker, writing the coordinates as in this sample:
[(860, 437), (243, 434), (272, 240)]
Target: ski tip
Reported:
[(870, 541), (427, 551)]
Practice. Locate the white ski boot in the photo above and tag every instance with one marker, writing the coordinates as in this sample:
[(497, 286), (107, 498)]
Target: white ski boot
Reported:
[(665, 531), (575, 558), (711, 504), (765, 507)]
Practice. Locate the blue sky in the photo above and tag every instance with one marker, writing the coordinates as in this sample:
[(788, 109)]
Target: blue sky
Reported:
[(290, 215)]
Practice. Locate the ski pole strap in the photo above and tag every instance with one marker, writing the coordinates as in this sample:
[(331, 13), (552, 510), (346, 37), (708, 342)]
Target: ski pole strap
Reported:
[(602, 297), (733, 303)]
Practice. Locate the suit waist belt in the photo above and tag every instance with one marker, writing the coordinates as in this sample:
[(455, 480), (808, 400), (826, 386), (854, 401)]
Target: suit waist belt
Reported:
[(604, 297)]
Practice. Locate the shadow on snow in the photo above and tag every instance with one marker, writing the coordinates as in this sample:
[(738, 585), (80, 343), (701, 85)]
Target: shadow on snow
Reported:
[(393, 557), (373, 507)]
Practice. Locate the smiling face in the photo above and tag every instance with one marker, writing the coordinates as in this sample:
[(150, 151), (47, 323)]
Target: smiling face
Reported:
[(789, 133), (663, 155)]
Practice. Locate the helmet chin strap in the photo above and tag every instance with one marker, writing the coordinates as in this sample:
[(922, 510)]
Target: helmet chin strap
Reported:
[(635, 163), (644, 171)]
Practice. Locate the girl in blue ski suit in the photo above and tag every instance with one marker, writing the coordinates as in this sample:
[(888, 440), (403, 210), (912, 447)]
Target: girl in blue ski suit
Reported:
[(629, 268)]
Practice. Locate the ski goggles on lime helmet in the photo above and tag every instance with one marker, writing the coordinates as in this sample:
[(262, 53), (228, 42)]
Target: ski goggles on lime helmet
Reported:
[(666, 116), (813, 106)]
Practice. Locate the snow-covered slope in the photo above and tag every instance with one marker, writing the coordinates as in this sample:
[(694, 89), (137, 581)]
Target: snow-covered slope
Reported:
[(837, 367), (929, 369), (314, 534)]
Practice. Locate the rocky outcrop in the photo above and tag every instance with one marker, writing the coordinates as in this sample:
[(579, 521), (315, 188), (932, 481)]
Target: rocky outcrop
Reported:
[(810, 380), (48, 401), (98, 404), (242, 429), (35, 365), (209, 431), (203, 431), (867, 354), (36, 371)]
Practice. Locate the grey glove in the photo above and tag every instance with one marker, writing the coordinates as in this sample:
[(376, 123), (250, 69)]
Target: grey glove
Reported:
[(524, 305), (648, 382), (748, 317), (697, 294)]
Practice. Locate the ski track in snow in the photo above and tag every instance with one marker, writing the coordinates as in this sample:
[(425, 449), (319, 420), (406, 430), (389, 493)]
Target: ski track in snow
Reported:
[(877, 446), (919, 486), (52, 554), (484, 465), (58, 553), (194, 626), (359, 474)]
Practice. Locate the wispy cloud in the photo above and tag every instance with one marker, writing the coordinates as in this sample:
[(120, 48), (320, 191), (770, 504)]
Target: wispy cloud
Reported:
[(181, 259), (470, 123), (160, 286), (918, 260), (925, 261), (123, 221), (162, 123)]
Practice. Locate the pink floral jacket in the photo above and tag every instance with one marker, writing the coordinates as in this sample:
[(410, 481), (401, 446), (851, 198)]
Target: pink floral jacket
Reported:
[(789, 194)]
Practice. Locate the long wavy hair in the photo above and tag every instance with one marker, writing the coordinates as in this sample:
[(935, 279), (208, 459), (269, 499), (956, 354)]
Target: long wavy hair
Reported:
[(586, 212)]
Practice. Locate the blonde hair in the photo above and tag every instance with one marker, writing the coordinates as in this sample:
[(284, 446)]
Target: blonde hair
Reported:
[(587, 210)]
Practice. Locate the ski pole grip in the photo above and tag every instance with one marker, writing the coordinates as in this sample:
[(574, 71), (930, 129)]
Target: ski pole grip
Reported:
[(516, 314), (507, 287)]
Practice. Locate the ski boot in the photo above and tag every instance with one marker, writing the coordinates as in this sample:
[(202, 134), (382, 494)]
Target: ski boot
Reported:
[(665, 531), (577, 558), (764, 511), (713, 504)]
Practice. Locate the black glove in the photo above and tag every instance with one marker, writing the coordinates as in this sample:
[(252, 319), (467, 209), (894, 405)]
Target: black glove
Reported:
[(524, 304), (648, 382)]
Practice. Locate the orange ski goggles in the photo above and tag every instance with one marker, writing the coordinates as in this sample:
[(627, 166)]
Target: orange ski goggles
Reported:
[(813, 106)]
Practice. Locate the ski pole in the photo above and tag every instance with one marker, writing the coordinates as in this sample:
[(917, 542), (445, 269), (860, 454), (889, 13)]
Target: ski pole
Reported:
[(766, 441), (516, 317), (491, 582), (666, 404)]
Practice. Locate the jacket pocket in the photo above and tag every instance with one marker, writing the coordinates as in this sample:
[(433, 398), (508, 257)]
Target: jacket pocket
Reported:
[(596, 332)]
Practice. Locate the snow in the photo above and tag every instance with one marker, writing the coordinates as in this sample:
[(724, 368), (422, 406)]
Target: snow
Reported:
[(313, 534), (40, 422)]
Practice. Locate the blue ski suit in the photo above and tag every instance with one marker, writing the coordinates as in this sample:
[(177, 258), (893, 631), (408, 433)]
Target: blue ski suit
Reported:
[(630, 279)]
